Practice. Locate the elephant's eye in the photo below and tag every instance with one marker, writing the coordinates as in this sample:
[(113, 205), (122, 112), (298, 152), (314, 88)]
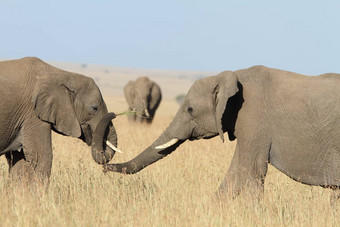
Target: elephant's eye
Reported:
[(94, 108), (190, 110)]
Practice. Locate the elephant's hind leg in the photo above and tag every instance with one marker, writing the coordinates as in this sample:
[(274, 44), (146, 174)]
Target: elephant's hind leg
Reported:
[(247, 170), (33, 163), (30, 171), (19, 169)]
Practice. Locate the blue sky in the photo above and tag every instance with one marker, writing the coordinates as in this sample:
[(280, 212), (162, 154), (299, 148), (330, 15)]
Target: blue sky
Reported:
[(297, 35)]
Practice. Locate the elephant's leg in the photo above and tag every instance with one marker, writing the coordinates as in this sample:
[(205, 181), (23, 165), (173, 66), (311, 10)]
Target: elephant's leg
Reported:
[(19, 169), (131, 114), (140, 119), (29, 173), (34, 162), (32, 170), (247, 170), (44, 164)]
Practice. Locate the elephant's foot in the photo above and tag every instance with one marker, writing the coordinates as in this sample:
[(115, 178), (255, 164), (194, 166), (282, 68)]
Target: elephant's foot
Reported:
[(233, 187)]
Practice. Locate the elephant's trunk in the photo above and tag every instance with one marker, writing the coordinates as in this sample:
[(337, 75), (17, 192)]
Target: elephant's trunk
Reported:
[(153, 153), (104, 143)]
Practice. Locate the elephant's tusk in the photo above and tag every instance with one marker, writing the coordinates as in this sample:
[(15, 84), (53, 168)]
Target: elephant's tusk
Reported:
[(147, 112), (168, 144), (113, 147)]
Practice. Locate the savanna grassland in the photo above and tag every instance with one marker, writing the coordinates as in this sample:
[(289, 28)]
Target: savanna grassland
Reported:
[(178, 190)]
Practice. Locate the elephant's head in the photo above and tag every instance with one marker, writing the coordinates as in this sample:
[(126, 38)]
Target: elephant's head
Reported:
[(74, 106), (210, 109)]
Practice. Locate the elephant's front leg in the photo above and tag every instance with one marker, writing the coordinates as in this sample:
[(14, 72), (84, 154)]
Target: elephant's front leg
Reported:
[(247, 170), (33, 163), (131, 114)]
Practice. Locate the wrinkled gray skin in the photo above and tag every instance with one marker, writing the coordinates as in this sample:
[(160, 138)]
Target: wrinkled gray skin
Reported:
[(288, 120), (37, 98), (143, 97)]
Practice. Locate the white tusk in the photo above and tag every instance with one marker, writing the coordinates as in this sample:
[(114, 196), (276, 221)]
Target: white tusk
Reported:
[(113, 147), (147, 112), (168, 144)]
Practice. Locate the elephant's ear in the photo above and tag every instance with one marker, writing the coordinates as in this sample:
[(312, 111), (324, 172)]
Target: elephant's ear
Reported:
[(226, 87), (53, 102), (156, 96)]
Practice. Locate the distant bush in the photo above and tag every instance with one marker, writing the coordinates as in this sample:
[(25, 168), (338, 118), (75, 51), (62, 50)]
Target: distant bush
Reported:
[(180, 99)]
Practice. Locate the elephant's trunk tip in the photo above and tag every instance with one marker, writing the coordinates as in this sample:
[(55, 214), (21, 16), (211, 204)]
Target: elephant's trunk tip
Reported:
[(106, 168), (124, 168)]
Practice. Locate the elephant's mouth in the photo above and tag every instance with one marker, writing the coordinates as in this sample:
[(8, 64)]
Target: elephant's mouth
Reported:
[(86, 134), (200, 133), (209, 135)]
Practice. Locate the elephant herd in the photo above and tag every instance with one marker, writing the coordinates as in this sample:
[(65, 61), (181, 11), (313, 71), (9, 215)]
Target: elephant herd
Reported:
[(288, 120)]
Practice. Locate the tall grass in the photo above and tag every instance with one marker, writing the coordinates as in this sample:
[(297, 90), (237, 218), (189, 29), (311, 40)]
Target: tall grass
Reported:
[(178, 190)]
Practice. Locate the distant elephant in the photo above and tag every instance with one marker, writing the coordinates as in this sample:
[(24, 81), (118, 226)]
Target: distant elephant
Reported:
[(143, 97), (37, 98), (286, 119)]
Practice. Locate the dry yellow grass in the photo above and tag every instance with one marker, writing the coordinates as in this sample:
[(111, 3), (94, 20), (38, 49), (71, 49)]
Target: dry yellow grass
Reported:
[(176, 191)]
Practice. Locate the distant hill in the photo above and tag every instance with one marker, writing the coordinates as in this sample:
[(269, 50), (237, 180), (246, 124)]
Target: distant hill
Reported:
[(111, 80)]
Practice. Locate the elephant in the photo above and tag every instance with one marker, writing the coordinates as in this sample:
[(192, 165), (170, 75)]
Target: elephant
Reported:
[(143, 97), (285, 119), (37, 98)]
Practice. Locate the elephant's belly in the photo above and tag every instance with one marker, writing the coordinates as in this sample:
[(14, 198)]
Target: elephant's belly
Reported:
[(10, 140), (15, 145), (311, 167)]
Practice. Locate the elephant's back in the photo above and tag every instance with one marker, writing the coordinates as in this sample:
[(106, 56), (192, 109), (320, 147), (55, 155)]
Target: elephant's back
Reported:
[(16, 86), (17, 73)]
